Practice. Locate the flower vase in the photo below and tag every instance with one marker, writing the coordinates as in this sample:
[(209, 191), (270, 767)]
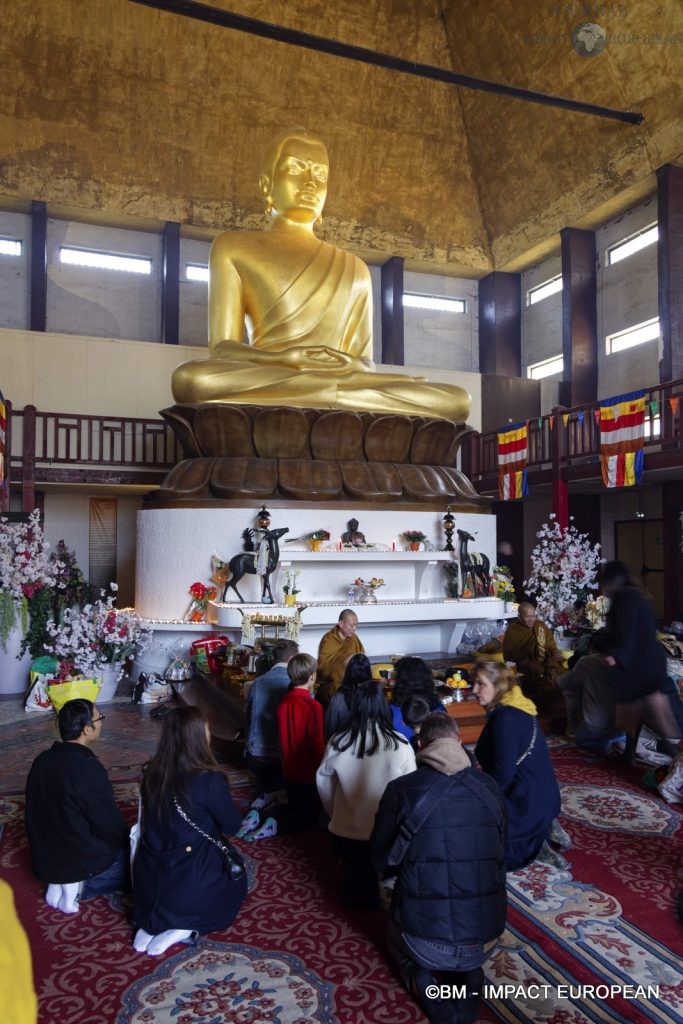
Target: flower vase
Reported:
[(14, 670), (413, 546), (367, 595), (290, 600), (110, 676), (315, 545)]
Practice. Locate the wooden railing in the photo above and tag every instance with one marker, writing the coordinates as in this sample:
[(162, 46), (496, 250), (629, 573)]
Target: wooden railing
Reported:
[(55, 447), (572, 448)]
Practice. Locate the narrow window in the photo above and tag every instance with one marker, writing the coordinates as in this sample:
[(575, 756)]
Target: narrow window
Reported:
[(197, 272), (10, 247), (634, 243), (105, 260), (542, 291), (636, 335), (102, 568), (546, 368), (413, 300)]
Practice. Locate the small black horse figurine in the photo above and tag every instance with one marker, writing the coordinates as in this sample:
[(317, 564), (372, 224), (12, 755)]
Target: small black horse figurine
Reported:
[(474, 564), (246, 562)]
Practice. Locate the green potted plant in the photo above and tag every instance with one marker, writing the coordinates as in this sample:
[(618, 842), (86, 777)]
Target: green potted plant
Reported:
[(414, 538)]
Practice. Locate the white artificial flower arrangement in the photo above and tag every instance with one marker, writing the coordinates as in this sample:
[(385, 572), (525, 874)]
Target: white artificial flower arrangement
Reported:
[(25, 570), (564, 570), (98, 635)]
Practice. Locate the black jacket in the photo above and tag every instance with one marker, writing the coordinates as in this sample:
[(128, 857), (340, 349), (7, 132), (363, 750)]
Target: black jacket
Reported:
[(451, 881), (179, 878), (641, 659), (75, 829)]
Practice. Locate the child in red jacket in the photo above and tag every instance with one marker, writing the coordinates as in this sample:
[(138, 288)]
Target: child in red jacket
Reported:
[(302, 742)]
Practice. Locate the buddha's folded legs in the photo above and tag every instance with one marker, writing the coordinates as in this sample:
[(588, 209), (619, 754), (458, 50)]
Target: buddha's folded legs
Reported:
[(233, 382)]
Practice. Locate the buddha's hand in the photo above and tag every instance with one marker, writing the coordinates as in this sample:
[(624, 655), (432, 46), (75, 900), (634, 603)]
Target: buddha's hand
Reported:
[(323, 357), (314, 357)]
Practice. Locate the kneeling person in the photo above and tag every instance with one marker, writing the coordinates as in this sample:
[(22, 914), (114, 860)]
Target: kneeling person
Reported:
[(441, 830), (78, 839)]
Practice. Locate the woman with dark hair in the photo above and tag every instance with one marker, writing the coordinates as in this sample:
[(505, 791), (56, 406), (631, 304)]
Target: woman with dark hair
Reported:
[(354, 773), (412, 678), (338, 713), (181, 885), (512, 749), (637, 658)]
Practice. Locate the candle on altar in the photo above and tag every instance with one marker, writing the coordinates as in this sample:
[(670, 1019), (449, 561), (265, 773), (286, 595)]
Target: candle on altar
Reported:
[(339, 545), (393, 545)]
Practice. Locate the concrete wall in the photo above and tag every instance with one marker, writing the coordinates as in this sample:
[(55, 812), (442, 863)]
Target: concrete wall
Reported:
[(66, 373), (439, 339), (67, 518), (627, 295), (14, 270), (542, 322), (107, 303), (194, 295)]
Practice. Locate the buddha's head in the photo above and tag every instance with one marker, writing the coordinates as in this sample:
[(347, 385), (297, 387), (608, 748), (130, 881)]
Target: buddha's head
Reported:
[(293, 178)]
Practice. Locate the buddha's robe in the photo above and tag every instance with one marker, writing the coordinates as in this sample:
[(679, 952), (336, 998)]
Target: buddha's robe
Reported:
[(329, 303), (534, 652), (333, 655)]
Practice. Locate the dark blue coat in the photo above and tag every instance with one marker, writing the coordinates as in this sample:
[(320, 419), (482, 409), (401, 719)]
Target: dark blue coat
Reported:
[(451, 882), (532, 796), (265, 694), (179, 880)]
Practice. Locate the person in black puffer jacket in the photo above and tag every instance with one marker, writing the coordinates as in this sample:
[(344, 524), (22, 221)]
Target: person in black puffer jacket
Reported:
[(449, 901)]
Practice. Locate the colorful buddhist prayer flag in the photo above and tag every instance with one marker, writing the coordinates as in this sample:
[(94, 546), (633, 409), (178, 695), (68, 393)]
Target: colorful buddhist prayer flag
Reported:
[(596, 413), (3, 435), (622, 427), (551, 421), (654, 406), (565, 418), (580, 416), (673, 402), (513, 454)]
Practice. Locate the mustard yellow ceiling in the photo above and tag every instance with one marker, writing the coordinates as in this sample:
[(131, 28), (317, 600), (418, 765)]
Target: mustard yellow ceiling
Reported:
[(120, 111)]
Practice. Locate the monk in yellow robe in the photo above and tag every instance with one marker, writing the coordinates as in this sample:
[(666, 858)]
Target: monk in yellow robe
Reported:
[(336, 647), (531, 645), (307, 306)]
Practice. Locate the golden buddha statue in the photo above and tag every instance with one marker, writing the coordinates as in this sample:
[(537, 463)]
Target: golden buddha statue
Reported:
[(307, 306)]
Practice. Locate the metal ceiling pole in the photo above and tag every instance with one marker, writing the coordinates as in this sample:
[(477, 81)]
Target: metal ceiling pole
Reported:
[(266, 30)]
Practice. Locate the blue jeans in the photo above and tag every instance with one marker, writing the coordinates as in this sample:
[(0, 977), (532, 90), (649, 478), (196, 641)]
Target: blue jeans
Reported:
[(458, 966), (115, 878), (595, 741)]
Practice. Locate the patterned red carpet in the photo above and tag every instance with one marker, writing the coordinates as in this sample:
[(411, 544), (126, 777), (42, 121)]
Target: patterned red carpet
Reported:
[(295, 956)]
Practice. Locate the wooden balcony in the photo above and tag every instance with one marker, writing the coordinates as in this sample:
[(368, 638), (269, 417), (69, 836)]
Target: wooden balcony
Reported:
[(571, 451), (48, 448)]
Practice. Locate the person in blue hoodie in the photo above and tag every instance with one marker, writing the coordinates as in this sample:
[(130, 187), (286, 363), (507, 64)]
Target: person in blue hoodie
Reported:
[(512, 750)]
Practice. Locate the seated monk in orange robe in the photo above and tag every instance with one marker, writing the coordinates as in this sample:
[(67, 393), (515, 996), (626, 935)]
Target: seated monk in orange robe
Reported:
[(336, 647), (531, 645)]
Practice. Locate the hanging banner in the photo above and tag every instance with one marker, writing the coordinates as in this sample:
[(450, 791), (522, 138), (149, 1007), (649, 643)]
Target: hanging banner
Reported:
[(673, 402), (3, 435), (565, 418), (513, 454), (622, 427)]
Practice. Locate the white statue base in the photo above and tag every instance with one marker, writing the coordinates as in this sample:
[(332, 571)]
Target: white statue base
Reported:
[(412, 614)]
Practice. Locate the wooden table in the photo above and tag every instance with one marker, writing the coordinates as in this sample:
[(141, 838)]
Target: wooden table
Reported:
[(470, 716)]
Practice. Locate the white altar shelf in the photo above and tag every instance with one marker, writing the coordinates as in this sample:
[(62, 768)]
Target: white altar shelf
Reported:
[(435, 625)]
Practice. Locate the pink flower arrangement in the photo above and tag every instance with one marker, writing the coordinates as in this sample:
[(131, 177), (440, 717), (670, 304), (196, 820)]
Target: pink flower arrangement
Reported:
[(98, 635)]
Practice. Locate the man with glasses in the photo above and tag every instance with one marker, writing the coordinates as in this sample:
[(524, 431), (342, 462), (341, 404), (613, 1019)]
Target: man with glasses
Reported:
[(78, 839)]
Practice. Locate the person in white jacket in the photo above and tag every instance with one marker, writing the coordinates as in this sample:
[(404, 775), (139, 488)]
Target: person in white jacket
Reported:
[(355, 770)]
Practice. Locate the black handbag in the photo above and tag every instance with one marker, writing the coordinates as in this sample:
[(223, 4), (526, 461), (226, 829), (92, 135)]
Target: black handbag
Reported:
[(232, 858)]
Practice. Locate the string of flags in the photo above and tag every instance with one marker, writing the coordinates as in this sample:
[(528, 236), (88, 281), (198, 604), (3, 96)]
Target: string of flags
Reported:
[(621, 422)]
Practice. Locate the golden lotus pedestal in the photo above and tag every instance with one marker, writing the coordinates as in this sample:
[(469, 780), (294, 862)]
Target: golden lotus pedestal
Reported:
[(243, 454)]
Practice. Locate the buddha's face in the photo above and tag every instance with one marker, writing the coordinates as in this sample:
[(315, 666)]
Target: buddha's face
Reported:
[(299, 185)]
